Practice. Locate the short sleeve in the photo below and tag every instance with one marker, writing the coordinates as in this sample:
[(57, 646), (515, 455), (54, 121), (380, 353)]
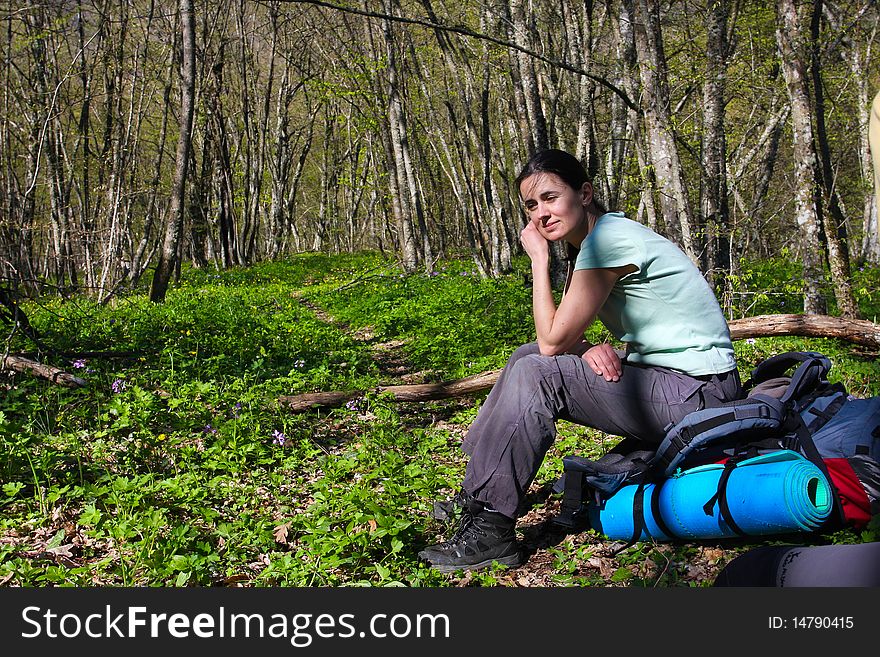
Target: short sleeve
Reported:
[(610, 244)]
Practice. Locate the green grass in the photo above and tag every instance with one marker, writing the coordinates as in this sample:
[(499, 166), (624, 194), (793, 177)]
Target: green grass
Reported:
[(176, 465)]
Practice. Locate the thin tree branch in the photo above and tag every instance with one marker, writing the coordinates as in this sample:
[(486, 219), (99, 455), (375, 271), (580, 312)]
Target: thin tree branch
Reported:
[(466, 31)]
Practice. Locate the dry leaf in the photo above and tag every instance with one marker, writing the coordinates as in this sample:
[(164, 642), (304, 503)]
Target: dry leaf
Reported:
[(280, 533), (61, 551), (373, 525)]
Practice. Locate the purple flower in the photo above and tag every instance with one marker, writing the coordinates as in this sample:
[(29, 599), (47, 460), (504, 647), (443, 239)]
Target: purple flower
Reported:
[(209, 429), (118, 385), (279, 438), (79, 363)]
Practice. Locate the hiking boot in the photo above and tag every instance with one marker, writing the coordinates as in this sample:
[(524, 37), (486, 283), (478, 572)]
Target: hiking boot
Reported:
[(483, 537), (448, 509)]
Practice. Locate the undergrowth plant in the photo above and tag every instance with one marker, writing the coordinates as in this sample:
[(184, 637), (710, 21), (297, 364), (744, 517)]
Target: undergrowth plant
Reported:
[(176, 464)]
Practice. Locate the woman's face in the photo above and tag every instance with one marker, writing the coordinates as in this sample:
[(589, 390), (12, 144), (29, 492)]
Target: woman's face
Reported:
[(557, 210)]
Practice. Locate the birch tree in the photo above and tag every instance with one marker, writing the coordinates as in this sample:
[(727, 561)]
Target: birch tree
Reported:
[(169, 256)]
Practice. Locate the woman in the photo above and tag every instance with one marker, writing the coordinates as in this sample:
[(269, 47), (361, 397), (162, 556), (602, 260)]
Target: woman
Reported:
[(678, 358)]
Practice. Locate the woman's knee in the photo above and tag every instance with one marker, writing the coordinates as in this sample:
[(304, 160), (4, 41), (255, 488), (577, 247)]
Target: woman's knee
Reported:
[(522, 351)]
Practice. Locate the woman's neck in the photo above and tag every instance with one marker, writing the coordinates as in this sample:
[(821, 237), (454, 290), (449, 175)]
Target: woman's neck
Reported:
[(591, 218)]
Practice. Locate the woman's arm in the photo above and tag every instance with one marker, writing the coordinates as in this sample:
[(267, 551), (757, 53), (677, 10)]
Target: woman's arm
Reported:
[(561, 329)]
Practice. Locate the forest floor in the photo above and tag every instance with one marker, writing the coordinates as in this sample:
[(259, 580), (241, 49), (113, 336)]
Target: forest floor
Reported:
[(179, 463), (537, 530)]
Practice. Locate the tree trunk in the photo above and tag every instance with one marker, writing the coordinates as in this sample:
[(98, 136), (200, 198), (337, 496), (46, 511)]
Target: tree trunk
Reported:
[(168, 258), (714, 205), (403, 190), (53, 374), (792, 42), (629, 70), (831, 211), (662, 149), (522, 36)]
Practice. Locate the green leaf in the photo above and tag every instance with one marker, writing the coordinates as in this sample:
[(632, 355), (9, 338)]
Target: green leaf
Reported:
[(90, 516), (12, 488)]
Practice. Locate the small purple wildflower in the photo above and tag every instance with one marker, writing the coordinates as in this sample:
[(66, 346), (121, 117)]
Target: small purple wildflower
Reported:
[(209, 429), (118, 386), (279, 438), (79, 363)]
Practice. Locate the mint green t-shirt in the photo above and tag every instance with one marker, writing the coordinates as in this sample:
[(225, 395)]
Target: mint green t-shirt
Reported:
[(665, 311)]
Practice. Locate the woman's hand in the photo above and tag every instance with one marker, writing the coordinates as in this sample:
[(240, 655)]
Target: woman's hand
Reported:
[(535, 244), (604, 361)]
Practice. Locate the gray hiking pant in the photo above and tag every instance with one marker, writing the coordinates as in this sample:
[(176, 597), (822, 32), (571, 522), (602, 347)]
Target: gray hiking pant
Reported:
[(516, 424)]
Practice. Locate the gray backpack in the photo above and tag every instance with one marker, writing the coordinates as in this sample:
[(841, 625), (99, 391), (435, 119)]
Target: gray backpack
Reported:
[(790, 404)]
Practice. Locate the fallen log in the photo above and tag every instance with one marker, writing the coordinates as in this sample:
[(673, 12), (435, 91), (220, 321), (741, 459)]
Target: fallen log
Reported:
[(412, 392), (53, 374), (856, 331)]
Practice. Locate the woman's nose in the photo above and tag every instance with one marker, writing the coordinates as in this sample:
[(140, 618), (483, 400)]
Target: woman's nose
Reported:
[(541, 213)]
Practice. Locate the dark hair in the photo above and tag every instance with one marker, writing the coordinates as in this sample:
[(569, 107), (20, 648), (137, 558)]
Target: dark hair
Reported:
[(561, 163), (552, 160), (572, 172)]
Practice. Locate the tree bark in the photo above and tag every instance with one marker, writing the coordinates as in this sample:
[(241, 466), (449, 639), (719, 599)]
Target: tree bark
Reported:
[(792, 41), (831, 210), (404, 193), (170, 249), (674, 205), (53, 374), (871, 240), (714, 205)]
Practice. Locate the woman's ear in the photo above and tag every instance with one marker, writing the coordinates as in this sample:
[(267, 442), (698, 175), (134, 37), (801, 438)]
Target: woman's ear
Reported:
[(586, 194)]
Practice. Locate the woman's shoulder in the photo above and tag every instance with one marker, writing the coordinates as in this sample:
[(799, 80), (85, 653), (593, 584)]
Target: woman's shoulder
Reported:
[(614, 225)]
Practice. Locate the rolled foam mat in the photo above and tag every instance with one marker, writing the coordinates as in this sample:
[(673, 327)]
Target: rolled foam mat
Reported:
[(776, 493)]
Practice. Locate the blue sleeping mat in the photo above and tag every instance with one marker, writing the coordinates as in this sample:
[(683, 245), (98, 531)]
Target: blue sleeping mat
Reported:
[(776, 493)]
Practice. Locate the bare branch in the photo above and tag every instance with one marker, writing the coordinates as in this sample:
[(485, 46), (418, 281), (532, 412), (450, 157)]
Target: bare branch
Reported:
[(466, 31)]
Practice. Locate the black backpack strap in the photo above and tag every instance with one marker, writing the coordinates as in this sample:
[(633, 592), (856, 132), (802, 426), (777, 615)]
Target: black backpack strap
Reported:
[(778, 365), (810, 375), (638, 516), (655, 512), (639, 523), (679, 438), (572, 511), (720, 497), (822, 416)]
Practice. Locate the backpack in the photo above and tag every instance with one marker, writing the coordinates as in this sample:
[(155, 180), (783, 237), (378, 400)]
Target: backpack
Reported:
[(789, 405)]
